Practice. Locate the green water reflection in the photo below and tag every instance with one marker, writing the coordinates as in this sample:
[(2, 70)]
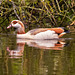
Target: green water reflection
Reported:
[(27, 57)]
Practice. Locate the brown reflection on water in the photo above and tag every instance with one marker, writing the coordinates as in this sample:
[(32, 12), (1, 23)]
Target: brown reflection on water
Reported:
[(27, 57), (18, 51), (41, 44)]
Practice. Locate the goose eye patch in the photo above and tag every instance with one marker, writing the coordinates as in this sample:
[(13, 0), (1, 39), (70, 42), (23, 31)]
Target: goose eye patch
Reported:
[(14, 22)]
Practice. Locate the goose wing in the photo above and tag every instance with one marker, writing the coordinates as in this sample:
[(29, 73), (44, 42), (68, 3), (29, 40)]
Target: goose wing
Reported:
[(39, 30)]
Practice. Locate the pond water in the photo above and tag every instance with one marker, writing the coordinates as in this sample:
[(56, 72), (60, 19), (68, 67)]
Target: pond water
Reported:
[(37, 57)]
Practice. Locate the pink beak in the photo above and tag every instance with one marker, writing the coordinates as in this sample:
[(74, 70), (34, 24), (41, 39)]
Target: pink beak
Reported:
[(9, 26)]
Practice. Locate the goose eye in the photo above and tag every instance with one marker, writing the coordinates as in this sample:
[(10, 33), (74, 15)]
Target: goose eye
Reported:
[(14, 22)]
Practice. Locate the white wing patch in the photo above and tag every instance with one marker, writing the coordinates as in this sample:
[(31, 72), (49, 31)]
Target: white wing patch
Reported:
[(46, 35)]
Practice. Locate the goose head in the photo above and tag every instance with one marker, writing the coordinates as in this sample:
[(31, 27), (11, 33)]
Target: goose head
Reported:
[(18, 25)]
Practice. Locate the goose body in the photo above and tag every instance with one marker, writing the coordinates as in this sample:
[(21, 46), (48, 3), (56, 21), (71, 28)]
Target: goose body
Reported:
[(39, 33)]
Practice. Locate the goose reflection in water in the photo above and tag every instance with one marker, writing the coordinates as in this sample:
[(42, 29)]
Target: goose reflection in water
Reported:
[(42, 44)]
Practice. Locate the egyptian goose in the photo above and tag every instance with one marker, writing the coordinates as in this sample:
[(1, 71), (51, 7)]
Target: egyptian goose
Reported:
[(39, 33)]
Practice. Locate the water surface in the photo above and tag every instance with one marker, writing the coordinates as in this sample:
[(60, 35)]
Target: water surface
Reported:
[(37, 57)]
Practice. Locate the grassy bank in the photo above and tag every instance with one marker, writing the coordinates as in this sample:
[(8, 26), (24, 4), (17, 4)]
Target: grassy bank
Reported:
[(37, 13)]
